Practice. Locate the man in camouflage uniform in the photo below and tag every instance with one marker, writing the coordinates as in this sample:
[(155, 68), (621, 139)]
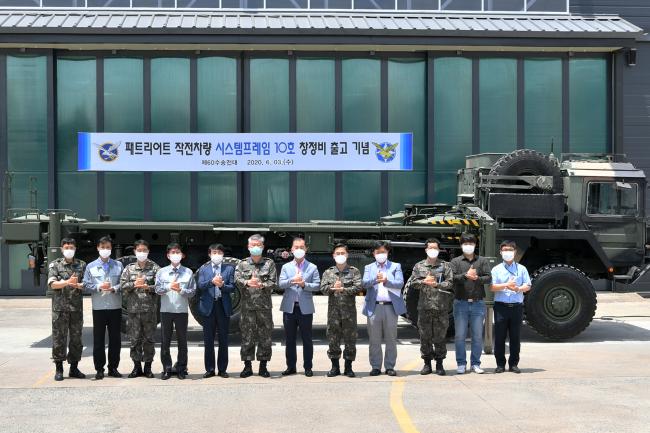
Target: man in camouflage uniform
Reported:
[(64, 285), (342, 283), (256, 278), (138, 284), (434, 279)]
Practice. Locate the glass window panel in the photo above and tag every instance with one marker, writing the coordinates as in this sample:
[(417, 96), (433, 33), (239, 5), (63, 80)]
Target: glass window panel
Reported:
[(452, 98), (406, 187), (286, 4), (315, 112), (547, 5), (498, 104), (153, 3), (108, 3), (78, 192), (543, 104), (419, 5), (29, 190), (76, 112), (407, 113), (217, 196), (217, 112), (361, 89), (331, 4), (19, 271), (197, 3), (63, 3), (76, 106), (27, 114), (588, 105), (612, 198), (217, 94), (407, 103), (170, 112), (124, 195), (242, 4), (505, 5), (374, 4), (460, 5), (269, 107), (123, 112), (445, 183)]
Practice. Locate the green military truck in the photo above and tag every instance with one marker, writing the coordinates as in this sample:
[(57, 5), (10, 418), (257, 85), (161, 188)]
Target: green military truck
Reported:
[(575, 219)]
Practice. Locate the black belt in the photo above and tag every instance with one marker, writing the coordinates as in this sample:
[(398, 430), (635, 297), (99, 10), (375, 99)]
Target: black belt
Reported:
[(470, 299), (509, 304), (383, 303)]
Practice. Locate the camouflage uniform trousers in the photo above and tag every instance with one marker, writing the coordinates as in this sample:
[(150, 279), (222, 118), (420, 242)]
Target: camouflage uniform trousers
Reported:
[(142, 328), (256, 330), (342, 324), (433, 325), (64, 324)]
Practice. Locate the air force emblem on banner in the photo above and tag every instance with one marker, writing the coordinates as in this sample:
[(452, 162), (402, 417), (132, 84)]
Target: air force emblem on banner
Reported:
[(108, 152), (385, 151)]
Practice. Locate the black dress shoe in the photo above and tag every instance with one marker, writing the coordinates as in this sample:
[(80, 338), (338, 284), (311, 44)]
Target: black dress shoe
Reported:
[(112, 372), (289, 372), (391, 372), (375, 372), (182, 374), (223, 374), (166, 375), (515, 369), (499, 369), (99, 375), (209, 374), (308, 372)]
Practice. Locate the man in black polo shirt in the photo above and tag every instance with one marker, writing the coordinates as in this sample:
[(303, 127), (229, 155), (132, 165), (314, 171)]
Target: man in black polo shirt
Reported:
[(471, 273)]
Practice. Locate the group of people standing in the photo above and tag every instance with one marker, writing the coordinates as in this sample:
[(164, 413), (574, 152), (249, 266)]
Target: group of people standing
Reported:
[(442, 286)]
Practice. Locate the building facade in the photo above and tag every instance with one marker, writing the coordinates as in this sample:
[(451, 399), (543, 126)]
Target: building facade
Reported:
[(465, 76)]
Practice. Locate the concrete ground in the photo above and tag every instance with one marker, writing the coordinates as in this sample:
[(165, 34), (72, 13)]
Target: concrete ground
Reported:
[(597, 382)]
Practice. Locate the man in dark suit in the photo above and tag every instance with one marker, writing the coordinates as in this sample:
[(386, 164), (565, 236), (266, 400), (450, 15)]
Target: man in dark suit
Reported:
[(216, 281)]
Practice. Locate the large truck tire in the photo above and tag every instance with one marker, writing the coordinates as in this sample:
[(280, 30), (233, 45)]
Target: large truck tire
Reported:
[(561, 303), (526, 162)]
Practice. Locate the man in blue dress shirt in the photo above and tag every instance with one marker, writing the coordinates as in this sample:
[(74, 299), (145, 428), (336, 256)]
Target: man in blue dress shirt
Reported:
[(510, 280)]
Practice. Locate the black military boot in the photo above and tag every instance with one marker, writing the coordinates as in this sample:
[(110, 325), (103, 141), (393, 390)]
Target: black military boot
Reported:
[(440, 370), (137, 370), (348, 369), (247, 371), (263, 370), (74, 371), (427, 367), (58, 374), (336, 369), (147, 370)]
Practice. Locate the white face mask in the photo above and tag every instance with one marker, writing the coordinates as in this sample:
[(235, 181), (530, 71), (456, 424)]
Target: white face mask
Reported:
[(381, 257), (175, 258), (68, 254), (432, 253), (104, 253), (508, 256), (339, 259), (141, 255), (468, 248), (299, 253), (216, 259)]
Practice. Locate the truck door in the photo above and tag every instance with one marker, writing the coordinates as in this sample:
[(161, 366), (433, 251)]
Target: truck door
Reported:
[(613, 212)]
